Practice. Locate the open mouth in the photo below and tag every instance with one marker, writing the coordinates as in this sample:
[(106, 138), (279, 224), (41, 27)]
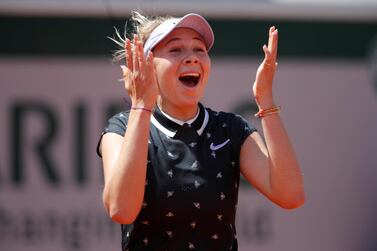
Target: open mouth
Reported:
[(190, 79)]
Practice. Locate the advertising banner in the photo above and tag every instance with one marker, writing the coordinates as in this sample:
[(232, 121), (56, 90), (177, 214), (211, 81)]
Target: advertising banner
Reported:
[(52, 111)]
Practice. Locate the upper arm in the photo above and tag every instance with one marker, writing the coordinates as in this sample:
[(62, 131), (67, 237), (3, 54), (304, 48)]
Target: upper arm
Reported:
[(111, 141), (254, 163), (110, 147)]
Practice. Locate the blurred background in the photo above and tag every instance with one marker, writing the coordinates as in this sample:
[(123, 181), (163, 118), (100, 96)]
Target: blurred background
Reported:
[(59, 86)]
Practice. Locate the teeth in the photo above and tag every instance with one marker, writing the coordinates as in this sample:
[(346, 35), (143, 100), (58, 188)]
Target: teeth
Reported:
[(190, 74)]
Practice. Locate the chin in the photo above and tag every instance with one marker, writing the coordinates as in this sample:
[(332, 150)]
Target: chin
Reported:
[(190, 101)]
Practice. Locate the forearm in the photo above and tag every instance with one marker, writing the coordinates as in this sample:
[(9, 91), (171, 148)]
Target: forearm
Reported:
[(285, 175), (124, 187)]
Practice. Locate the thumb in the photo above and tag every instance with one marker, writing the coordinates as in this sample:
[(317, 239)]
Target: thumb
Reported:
[(125, 71)]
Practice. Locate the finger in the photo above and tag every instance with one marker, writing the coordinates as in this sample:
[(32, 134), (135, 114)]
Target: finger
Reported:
[(126, 76), (141, 57), (273, 41), (267, 55), (270, 31), (268, 61), (135, 58), (129, 55), (149, 63), (274, 44), (125, 71)]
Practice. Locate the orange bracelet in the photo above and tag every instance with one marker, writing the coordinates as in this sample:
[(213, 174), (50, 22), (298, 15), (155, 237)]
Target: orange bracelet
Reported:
[(265, 112)]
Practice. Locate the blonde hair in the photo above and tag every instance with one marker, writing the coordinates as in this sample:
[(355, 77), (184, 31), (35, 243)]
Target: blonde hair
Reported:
[(141, 25)]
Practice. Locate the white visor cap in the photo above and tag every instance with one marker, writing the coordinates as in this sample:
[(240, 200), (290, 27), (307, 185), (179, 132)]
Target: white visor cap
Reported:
[(192, 21)]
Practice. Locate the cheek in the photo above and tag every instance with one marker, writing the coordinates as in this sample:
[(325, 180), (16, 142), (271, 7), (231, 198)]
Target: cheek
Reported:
[(207, 68), (165, 77), (165, 74), (163, 67), (159, 69)]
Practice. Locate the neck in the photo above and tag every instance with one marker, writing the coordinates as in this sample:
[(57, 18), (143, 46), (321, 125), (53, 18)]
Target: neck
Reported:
[(181, 113)]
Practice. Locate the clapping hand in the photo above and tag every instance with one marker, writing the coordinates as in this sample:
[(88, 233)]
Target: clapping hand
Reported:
[(139, 75), (262, 88)]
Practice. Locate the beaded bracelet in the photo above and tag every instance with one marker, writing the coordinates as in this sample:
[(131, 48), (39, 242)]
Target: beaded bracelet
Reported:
[(265, 112), (142, 108)]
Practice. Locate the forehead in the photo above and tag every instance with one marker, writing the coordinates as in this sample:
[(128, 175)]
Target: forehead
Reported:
[(179, 34)]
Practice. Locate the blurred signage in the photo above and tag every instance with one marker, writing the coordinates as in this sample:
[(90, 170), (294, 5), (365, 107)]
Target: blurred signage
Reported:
[(53, 110)]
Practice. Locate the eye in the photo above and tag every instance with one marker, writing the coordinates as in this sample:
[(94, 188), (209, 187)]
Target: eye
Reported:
[(199, 49), (175, 49)]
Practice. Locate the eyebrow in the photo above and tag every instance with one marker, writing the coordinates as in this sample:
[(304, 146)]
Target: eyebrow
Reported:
[(178, 38)]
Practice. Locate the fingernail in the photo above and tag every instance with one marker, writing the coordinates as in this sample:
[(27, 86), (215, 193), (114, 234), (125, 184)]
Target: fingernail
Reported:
[(123, 67)]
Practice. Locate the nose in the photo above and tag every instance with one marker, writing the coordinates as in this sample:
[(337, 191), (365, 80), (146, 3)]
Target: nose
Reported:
[(191, 59)]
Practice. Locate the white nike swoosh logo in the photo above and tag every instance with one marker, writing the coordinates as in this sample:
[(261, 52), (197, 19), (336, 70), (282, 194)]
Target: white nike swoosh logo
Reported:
[(217, 147)]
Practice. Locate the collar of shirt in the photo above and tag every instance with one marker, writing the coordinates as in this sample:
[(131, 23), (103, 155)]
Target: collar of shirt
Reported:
[(169, 125)]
